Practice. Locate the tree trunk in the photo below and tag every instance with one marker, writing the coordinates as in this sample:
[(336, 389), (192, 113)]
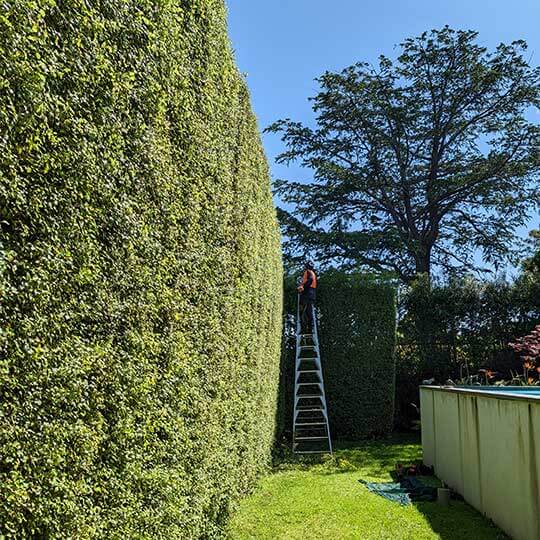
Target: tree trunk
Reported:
[(426, 326), (423, 261)]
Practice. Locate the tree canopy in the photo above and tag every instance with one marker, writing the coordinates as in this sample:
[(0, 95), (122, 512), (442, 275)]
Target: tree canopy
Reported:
[(418, 162)]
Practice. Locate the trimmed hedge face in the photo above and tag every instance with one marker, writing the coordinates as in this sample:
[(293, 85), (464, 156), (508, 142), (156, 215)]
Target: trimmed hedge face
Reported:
[(140, 273), (357, 334)]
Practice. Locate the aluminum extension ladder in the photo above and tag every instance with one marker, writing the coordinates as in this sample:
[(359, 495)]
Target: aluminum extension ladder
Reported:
[(311, 430)]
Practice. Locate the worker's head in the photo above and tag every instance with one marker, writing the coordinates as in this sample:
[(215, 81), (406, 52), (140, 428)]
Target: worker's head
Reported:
[(308, 265)]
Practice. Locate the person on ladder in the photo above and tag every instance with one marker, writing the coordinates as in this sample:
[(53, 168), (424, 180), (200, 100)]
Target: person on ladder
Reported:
[(307, 291)]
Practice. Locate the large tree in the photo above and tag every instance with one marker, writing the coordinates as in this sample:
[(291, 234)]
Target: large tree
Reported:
[(418, 162)]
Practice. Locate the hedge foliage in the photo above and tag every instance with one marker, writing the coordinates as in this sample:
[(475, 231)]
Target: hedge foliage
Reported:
[(357, 334), (140, 272), (452, 330)]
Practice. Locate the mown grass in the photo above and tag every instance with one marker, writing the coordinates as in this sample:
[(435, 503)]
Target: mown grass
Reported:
[(303, 500)]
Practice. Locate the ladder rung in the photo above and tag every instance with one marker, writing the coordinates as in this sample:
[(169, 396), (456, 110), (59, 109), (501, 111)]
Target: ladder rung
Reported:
[(300, 424), (325, 438), (308, 371), (309, 396), (319, 383)]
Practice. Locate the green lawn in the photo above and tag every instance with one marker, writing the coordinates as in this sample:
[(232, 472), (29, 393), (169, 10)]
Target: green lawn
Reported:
[(326, 501)]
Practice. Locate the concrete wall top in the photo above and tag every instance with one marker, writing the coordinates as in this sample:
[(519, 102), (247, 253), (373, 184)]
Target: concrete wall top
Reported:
[(484, 442), (526, 393)]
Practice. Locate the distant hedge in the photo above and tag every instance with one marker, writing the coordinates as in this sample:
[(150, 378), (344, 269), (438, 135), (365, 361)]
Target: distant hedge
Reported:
[(140, 273), (452, 330), (357, 333)]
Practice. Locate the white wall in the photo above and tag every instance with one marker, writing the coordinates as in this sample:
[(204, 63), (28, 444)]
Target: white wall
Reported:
[(486, 446)]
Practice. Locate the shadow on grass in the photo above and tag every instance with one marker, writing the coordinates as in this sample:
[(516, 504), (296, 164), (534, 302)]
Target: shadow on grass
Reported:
[(376, 461), (379, 458)]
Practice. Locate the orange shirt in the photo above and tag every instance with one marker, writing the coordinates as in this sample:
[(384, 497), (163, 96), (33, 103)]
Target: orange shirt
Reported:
[(310, 279)]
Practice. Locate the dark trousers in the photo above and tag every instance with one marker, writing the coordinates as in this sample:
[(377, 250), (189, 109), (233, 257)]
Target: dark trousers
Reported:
[(306, 313)]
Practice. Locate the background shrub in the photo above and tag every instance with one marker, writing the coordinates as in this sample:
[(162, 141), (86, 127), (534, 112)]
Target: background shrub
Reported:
[(140, 272), (450, 331), (357, 329)]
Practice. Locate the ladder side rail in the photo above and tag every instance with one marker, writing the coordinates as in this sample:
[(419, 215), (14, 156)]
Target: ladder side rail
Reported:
[(317, 350), (316, 338), (296, 365)]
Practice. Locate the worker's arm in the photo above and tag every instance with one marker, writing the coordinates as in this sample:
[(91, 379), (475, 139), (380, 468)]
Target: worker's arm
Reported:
[(307, 281), (300, 287)]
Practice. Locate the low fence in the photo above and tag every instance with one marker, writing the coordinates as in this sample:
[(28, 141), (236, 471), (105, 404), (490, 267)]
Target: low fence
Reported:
[(485, 444)]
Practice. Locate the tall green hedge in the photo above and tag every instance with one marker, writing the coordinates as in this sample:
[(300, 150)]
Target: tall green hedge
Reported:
[(140, 272), (357, 334)]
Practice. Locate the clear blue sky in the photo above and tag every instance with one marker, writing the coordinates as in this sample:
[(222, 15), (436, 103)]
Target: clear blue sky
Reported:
[(282, 45)]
